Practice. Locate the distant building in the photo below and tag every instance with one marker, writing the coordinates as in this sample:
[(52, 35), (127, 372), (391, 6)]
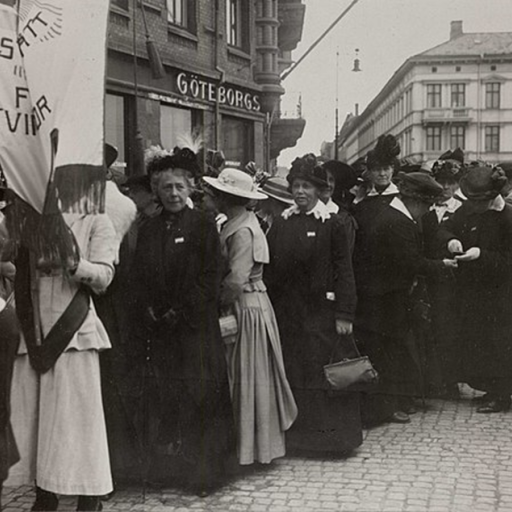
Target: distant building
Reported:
[(457, 94), (223, 60)]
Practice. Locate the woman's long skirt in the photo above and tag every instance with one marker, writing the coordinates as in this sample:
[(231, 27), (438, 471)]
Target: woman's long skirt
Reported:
[(263, 403), (59, 426)]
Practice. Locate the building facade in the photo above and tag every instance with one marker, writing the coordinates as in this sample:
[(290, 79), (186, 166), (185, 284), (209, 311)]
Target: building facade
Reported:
[(222, 61), (457, 94)]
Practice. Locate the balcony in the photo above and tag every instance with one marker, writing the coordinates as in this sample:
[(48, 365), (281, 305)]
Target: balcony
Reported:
[(285, 133), (446, 115)]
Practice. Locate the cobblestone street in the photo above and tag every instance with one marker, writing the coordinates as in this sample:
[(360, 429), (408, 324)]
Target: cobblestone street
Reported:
[(447, 459)]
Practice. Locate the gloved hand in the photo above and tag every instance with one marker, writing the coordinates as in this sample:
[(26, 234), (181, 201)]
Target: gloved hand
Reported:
[(170, 318), (455, 246), (450, 263), (472, 254), (343, 327)]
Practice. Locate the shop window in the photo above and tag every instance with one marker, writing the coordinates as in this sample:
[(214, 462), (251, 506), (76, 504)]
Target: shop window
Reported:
[(433, 138), (238, 140), (237, 24), (115, 132), (182, 13), (492, 95), (458, 137), (433, 95), (492, 139), (174, 122), (458, 95)]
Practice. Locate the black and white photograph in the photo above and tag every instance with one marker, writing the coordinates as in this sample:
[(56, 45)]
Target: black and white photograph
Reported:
[(256, 255)]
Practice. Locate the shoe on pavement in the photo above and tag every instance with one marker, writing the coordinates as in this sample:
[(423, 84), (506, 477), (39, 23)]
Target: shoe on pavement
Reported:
[(495, 405), (399, 417)]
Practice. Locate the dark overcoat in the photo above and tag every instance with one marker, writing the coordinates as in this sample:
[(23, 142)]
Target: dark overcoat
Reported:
[(311, 283), (484, 296), (179, 267)]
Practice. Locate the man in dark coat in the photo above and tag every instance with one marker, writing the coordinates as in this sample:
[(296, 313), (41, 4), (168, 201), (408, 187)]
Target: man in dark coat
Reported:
[(480, 235), (389, 301)]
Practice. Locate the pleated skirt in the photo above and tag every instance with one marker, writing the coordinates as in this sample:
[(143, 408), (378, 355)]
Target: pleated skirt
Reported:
[(262, 400)]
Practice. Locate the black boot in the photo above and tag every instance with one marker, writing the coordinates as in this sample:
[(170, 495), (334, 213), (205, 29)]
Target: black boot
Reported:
[(45, 500), (89, 503)]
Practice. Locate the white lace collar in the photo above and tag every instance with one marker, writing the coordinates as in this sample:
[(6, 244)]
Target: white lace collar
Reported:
[(320, 211), (399, 205)]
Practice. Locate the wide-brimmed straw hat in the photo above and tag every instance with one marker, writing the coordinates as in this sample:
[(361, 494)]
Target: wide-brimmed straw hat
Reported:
[(236, 183), (277, 188)]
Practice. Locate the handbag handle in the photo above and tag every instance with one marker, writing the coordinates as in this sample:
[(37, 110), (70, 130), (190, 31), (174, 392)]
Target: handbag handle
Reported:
[(352, 341)]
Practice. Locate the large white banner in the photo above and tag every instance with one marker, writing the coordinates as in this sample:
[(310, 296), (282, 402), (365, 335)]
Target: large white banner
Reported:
[(52, 77)]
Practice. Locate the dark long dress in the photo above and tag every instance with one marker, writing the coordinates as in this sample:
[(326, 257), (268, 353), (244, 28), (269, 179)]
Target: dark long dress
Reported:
[(442, 358), (310, 263), (387, 312), (484, 295), (115, 308), (179, 267)]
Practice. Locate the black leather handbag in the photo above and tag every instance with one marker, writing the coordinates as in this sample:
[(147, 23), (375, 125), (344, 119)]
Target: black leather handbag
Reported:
[(355, 374)]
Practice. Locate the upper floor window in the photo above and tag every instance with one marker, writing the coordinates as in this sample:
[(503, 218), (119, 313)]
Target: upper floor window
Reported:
[(177, 12), (492, 95), (458, 96), (492, 139), (433, 138), (237, 26), (433, 95), (234, 22)]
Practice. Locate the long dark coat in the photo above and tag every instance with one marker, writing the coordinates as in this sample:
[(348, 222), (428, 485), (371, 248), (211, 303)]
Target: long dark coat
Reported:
[(389, 308), (484, 295), (310, 282), (179, 267)]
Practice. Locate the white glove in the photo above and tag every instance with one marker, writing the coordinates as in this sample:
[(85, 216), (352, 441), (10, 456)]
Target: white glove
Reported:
[(472, 254), (455, 246), (450, 263)]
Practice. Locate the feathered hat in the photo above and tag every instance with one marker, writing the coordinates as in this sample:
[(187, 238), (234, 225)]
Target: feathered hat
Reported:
[(183, 156), (449, 166), (307, 168), (384, 154)]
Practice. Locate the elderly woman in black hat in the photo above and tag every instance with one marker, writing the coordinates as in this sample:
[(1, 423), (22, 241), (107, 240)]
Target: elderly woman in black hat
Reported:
[(384, 321), (262, 399), (178, 274), (312, 287), (479, 235)]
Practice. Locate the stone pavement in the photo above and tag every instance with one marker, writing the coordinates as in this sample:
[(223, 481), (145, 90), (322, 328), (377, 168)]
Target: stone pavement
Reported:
[(448, 459)]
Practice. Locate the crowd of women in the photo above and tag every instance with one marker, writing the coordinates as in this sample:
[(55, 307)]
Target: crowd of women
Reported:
[(227, 302)]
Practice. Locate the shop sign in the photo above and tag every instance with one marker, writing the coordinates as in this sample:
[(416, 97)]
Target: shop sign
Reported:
[(201, 89)]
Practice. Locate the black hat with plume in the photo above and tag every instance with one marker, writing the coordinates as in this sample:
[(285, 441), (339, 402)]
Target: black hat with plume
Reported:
[(384, 154)]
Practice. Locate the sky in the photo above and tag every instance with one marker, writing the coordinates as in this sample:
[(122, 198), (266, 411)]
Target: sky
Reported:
[(386, 32)]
